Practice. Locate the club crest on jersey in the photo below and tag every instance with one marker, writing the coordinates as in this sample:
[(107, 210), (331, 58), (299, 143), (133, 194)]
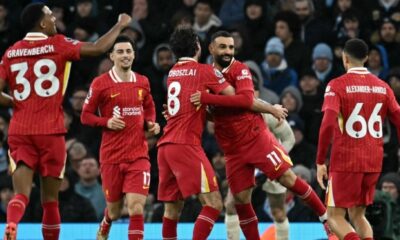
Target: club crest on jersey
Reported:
[(140, 94), (218, 73)]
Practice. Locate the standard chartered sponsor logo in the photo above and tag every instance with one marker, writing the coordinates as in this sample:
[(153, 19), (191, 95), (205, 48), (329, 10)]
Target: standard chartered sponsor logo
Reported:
[(116, 111), (127, 111)]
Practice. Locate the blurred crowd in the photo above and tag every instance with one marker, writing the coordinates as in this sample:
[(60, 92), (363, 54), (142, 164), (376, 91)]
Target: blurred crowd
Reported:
[(292, 47)]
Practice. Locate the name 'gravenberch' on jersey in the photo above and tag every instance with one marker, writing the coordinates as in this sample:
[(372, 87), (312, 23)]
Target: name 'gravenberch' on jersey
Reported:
[(23, 52), (365, 89)]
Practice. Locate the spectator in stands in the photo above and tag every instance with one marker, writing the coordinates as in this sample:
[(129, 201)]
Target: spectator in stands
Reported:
[(390, 183), (312, 94), (352, 27), (231, 12), (313, 29), (322, 66), (8, 35), (89, 186), (256, 26), (276, 73), (76, 151), (258, 81), (303, 152), (60, 11), (287, 28), (381, 9), (337, 15), (163, 60), (181, 18), (387, 33), (393, 79), (290, 99), (378, 62), (243, 50)]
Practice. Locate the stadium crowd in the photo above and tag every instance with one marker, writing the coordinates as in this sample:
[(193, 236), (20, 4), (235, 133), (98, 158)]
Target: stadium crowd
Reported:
[(293, 49)]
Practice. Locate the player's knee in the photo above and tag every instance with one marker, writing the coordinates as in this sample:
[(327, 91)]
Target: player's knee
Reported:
[(114, 214), (287, 179), (230, 207), (278, 214), (135, 208)]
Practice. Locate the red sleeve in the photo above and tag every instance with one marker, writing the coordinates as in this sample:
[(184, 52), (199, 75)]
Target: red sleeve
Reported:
[(331, 99), (3, 68), (88, 116), (244, 99), (148, 105), (325, 134), (70, 47), (214, 79), (243, 79)]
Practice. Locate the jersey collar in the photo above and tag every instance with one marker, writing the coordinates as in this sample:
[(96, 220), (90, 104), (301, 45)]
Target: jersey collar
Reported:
[(35, 36), (358, 70), (114, 76), (186, 59), (228, 67)]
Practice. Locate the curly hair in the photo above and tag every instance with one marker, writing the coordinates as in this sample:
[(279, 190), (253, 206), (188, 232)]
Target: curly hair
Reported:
[(31, 15), (184, 42)]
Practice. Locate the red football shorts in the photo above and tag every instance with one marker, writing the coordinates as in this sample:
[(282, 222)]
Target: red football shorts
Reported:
[(348, 189), (45, 154), (264, 153), (184, 170), (128, 177)]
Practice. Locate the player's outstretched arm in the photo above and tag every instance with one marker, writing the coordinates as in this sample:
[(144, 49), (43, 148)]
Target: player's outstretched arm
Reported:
[(240, 100), (281, 130), (105, 42), (276, 110)]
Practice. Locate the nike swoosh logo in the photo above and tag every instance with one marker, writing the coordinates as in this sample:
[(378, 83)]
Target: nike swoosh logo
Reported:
[(277, 167), (114, 95), (145, 187)]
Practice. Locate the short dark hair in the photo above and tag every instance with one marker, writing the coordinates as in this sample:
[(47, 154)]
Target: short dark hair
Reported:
[(122, 38), (220, 34), (183, 42), (31, 16), (356, 48)]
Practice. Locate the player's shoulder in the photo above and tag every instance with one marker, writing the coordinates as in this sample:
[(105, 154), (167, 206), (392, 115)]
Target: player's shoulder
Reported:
[(141, 78), (60, 38), (101, 80)]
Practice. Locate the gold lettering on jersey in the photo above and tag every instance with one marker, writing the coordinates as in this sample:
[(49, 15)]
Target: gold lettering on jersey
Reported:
[(365, 89), (182, 72), (23, 52)]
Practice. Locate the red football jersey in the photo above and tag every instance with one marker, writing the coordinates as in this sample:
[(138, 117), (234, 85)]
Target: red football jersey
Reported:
[(235, 126), (186, 122), (132, 102), (362, 102), (37, 71)]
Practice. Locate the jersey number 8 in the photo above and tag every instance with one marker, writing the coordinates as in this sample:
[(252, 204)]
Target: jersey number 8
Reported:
[(365, 126), (41, 77), (173, 101)]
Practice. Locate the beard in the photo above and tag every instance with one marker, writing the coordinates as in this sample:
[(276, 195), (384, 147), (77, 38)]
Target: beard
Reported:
[(223, 63)]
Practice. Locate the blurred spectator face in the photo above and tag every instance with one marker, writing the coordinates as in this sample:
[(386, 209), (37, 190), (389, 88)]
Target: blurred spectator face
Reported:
[(237, 40), (76, 152), (123, 55), (133, 34), (274, 60), (88, 169), (81, 34), (394, 82), (105, 65), (321, 64), (202, 13), (189, 3), (302, 9), (351, 24), (58, 13), (289, 102), (64, 184), (78, 99), (84, 9), (253, 11), (3, 13), (344, 5), (390, 188), (374, 59), (165, 59), (140, 9), (309, 84), (282, 31), (388, 32)]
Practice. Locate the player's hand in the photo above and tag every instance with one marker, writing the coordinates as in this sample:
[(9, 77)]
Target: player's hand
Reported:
[(124, 20), (165, 112), (279, 112), (322, 175), (115, 123), (153, 128), (195, 98)]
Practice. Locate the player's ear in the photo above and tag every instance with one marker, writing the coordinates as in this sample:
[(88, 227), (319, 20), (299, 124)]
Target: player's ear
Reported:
[(210, 47), (365, 60)]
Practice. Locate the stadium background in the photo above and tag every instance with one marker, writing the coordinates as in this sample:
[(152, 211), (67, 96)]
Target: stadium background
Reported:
[(312, 33)]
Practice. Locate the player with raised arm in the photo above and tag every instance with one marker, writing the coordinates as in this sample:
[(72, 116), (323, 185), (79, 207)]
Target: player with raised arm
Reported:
[(125, 104), (355, 106), (36, 70), (246, 141)]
